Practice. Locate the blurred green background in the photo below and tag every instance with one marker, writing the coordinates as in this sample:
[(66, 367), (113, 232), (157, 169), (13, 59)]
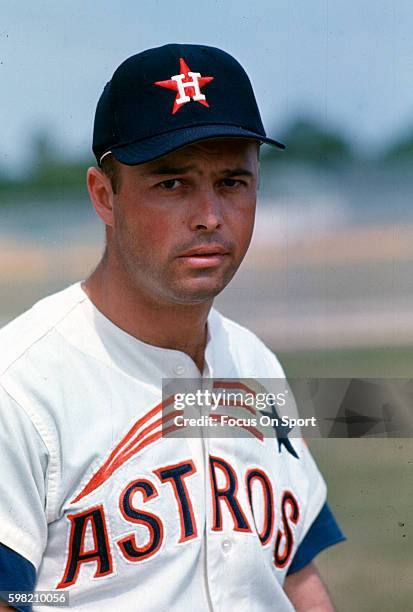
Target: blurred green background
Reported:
[(328, 280)]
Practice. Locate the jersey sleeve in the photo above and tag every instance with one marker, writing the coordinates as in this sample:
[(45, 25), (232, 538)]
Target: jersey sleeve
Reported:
[(324, 532), (23, 463), (16, 574)]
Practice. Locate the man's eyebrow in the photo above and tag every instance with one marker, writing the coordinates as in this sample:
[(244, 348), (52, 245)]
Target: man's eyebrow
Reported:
[(237, 172), (177, 170), (166, 170)]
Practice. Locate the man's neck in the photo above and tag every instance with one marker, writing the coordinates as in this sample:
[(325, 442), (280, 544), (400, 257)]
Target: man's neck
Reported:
[(178, 327)]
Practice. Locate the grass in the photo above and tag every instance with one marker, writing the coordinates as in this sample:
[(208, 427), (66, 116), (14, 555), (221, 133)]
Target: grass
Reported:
[(370, 484), (371, 492), (381, 362)]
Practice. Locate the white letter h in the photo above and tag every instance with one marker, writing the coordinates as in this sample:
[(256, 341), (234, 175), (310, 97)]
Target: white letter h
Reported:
[(179, 78)]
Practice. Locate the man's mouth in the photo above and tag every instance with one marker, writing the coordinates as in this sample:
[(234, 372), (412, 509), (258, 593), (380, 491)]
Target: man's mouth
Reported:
[(204, 256)]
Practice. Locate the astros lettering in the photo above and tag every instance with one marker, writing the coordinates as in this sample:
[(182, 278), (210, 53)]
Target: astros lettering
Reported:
[(276, 526)]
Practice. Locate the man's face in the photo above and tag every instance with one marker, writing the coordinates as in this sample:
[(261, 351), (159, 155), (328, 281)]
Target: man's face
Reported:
[(183, 223)]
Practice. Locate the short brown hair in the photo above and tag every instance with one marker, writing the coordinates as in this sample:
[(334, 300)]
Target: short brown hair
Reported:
[(109, 168)]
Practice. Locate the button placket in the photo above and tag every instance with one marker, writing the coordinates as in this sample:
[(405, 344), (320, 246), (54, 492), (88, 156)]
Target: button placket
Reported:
[(179, 369), (226, 545)]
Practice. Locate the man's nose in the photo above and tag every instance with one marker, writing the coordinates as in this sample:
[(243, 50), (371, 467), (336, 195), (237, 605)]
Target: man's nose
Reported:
[(206, 210)]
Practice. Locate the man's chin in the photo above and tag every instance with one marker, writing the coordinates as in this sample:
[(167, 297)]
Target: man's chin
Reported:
[(198, 292)]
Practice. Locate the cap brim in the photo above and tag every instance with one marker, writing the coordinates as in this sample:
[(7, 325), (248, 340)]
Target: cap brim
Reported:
[(151, 148)]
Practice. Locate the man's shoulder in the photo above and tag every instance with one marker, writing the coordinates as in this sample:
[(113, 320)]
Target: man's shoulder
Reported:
[(36, 324), (234, 329), (246, 344)]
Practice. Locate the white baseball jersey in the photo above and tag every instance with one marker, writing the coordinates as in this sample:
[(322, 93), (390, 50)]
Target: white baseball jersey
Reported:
[(110, 511)]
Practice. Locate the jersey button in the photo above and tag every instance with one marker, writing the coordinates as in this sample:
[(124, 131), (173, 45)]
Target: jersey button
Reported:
[(179, 369), (226, 545)]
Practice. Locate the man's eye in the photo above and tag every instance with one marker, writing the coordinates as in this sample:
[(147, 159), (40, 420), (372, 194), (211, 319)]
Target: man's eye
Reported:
[(230, 182), (171, 184)]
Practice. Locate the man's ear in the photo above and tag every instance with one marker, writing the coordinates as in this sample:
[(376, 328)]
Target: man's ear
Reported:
[(258, 174), (101, 194), (258, 145)]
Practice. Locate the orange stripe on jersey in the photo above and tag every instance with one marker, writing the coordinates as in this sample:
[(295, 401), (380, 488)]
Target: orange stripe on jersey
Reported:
[(131, 444)]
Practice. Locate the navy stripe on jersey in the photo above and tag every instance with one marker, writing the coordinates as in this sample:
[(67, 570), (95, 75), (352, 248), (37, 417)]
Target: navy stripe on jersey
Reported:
[(16, 574), (324, 532)]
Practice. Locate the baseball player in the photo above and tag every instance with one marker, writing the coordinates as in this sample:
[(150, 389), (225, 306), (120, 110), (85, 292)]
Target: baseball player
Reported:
[(96, 503)]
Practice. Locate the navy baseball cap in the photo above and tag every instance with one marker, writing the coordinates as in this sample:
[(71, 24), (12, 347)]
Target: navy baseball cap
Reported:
[(167, 97)]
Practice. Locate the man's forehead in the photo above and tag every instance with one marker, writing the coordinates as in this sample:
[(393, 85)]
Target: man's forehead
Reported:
[(216, 149)]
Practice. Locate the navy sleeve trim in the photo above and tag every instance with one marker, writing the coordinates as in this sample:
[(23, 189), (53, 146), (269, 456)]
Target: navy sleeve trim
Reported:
[(16, 574), (324, 532)]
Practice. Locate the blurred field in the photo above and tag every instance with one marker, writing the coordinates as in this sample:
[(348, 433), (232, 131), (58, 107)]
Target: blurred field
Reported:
[(371, 492), (329, 305), (370, 483)]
